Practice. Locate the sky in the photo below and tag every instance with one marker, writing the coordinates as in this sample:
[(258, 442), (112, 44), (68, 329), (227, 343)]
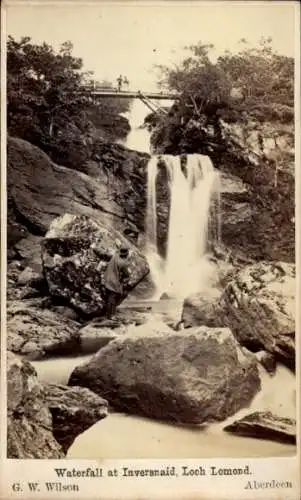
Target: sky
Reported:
[(130, 38)]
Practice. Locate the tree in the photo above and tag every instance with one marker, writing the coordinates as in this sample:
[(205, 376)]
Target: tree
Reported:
[(44, 89), (50, 103), (264, 79)]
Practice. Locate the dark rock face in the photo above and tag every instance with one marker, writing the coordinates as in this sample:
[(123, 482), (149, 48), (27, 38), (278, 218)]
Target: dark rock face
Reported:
[(267, 360), (29, 429), (39, 190), (35, 331), (75, 253), (265, 425), (73, 410), (44, 420), (259, 307), (112, 191), (198, 375)]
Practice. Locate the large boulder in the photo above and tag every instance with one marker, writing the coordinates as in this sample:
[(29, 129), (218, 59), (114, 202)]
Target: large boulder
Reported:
[(36, 331), (197, 375), (259, 307), (200, 308), (29, 421), (265, 425), (73, 410), (75, 253)]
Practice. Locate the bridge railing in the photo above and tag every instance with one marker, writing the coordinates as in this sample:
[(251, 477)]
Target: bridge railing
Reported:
[(101, 89)]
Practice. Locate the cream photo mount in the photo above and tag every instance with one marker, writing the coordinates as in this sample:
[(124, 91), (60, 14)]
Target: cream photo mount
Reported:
[(145, 456)]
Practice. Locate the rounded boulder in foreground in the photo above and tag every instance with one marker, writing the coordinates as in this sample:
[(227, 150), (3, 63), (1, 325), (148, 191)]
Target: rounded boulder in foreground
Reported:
[(197, 375)]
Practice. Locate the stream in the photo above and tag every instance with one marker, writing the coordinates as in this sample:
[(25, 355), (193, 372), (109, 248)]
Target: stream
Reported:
[(126, 436)]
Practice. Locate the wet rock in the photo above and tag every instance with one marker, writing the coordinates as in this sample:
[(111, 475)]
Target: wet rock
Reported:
[(29, 421), (65, 311), (94, 336), (200, 309), (37, 332), (73, 410), (27, 292), (75, 253), (44, 420), (267, 360), (29, 277), (23, 282), (29, 251), (100, 331), (133, 315), (265, 425), (190, 376), (259, 307)]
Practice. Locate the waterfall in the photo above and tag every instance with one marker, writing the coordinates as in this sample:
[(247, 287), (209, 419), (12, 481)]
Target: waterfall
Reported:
[(192, 188), (138, 138), (151, 216), (194, 211)]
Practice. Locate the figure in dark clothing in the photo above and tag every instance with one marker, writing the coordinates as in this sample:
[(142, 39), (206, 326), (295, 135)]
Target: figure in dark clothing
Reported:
[(115, 278), (119, 82), (126, 82)]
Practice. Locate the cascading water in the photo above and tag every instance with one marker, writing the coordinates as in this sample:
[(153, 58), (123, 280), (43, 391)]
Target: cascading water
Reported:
[(151, 250), (151, 216), (193, 189), (138, 139), (186, 269)]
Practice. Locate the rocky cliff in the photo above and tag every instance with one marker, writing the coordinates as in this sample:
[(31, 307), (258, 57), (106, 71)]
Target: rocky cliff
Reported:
[(110, 190)]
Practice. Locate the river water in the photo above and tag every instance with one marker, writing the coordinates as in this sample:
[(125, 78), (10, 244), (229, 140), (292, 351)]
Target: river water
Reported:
[(127, 436)]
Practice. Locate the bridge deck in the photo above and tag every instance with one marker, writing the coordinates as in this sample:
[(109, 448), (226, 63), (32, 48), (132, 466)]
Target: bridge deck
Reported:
[(134, 95)]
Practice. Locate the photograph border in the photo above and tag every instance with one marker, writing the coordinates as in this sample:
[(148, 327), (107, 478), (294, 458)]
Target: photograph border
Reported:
[(160, 489)]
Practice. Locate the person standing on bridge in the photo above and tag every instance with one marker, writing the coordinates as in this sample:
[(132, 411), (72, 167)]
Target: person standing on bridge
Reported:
[(119, 82), (116, 278), (126, 83)]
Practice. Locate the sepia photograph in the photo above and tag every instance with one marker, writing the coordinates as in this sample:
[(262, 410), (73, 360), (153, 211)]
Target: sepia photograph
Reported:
[(150, 299)]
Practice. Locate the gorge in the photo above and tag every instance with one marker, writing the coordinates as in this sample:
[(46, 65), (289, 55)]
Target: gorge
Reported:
[(187, 205)]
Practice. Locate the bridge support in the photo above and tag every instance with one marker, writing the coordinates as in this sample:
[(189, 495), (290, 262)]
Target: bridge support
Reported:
[(151, 105)]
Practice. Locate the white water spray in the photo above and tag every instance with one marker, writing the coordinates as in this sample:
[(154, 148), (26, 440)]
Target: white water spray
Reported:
[(186, 269)]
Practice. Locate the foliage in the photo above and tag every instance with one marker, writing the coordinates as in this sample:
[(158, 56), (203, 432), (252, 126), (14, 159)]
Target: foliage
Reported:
[(256, 81), (49, 101)]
